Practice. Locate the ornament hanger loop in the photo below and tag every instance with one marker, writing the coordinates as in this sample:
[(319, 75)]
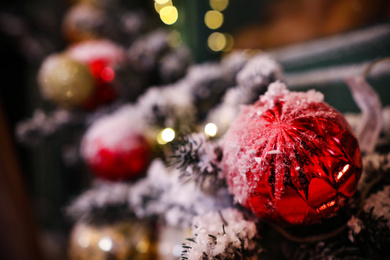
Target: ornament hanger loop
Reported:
[(369, 68)]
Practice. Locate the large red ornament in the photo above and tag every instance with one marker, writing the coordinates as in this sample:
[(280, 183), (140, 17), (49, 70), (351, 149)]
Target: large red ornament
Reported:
[(290, 158), (114, 149)]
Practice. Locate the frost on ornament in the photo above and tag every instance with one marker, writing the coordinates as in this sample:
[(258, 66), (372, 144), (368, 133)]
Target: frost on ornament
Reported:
[(162, 194), (115, 147), (291, 158), (221, 235)]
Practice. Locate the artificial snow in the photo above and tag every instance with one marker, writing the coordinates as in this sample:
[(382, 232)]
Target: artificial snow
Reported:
[(220, 235), (172, 104), (162, 194), (258, 71), (252, 80), (101, 196), (355, 225), (380, 201)]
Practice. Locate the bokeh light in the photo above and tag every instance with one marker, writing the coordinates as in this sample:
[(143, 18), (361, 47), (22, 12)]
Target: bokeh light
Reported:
[(219, 5), (84, 240), (213, 19), (105, 244), (211, 129), (229, 42), (169, 15), (161, 2), (174, 39), (159, 6), (216, 41), (165, 136)]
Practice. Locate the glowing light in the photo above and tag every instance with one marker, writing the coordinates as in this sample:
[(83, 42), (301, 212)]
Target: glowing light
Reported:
[(219, 5), (69, 94), (105, 244), (229, 42), (165, 136), (174, 39), (158, 6), (341, 173), (213, 19), (107, 74), (168, 134), (84, 240), (161, 2), (211, 129), (142, 246), (169, 15), (216, 41)]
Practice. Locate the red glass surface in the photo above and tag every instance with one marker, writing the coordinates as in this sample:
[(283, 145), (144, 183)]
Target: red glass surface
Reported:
[(104, 91), (122, 162), (295, 163)]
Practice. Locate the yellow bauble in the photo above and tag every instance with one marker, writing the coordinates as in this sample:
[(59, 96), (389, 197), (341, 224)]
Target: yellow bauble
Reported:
[(120, 241), (64, 81)]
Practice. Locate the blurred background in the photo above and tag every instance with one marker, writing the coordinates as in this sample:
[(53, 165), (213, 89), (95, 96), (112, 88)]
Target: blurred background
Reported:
[(318, 43)]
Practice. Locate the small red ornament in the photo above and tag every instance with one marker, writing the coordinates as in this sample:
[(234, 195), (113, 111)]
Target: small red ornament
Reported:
[(101, 57), (290, 158), (114, 150)]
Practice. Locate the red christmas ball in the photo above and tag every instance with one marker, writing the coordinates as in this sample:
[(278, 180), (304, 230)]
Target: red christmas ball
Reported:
[(114, 149), (101, 57), (290, 158)]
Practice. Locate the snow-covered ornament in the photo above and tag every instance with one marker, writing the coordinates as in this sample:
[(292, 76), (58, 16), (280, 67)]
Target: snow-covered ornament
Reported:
[(115, 148), (291, 158), (102, 57)]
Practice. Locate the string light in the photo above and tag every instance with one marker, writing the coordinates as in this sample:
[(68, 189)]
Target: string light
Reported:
[(219, 5), (165, 136), (105, 244), (169, 15), (160, 4), (211, 129), (229, 42), (213, 19), (216, 41)]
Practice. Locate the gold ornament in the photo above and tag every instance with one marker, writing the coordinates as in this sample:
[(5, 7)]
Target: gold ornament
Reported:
[(83, 21), (64, 81), (170, 242), (120, 241)]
